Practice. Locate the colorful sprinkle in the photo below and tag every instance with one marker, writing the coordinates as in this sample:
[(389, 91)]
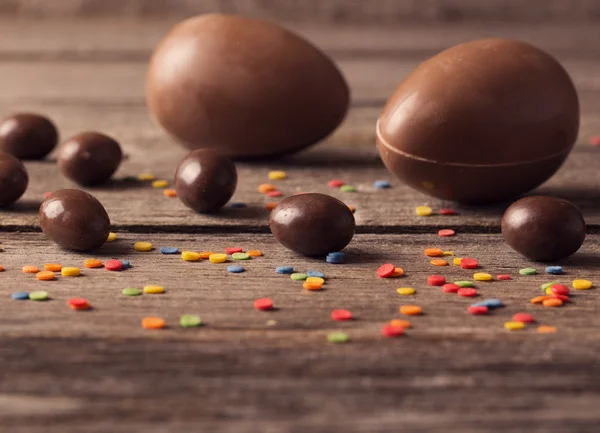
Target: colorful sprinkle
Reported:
[(70, 271), (447, 211), (264, 188), (546, 286), (467, 292), (469, 263), (514, 326), (92, 263), (398, 272), (456, 261), (126, 264), (142, 246), (315, 274), (315, 280), (146, 177), (335, 183), (78, 304), (45, 275), (169, 192), (54, 267), (386, 270), (439, 262), (464, 283), (277, 175), (160, 184), (284, 270), (436, 280), (254, 253), (30, 269), (270, 205), (153, 323), (448, 253), (492, 304), (190, 321), (546, 329), (275, 193), (450, 288), (382, 184), (217, 258), (169, 250), (113, 265), (235, 269), (312, 286), (240, 256), (297, 276), (338, 337), (391, 331), (552, 302), (131, 291), (154, 290), (263, 304), (503, 277), (555, 270), (400, 323), (341, 315), (446, 233), (205, 254), (38, 296), (347, 188), (559, 289), (423, 210), (582, 284), (477, 310), (539, 299), (190, 256), (406, 291), (20, 296), (433, 252), (523, 317), (595, 140), (482, 276), (335, 258), (411, 310), (527, 271)]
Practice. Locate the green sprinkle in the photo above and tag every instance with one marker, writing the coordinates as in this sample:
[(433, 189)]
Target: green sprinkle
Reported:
[(546, 285), (464, 283), (240, 256), (190, 321), (527, 271), (347, 188), (38, 296), (129, 291), (337, 337), (298, 276)]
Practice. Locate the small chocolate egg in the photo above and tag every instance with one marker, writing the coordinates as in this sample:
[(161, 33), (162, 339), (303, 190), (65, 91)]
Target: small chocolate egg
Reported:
[(543, 228), (312, 224), (27, 135), (75, 220), (205, 180), (248, 88), (89, 158), (480, 122), (13, 179)]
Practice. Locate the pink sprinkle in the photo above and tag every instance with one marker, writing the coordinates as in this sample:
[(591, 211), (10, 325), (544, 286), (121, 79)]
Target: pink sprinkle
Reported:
[(595, 140), (335, 183), (503, 277), (446, 232)]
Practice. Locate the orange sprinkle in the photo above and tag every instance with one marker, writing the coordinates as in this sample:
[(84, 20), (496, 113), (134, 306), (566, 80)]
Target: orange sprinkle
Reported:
[(433, 252), (552, 302), (1, 268), (92, 263), (254, 253), (54, 267), (206, 254), (31, 269), (544, 329), (439, 262), (153, 323), (540, 299), (270, 205), (352, 208), (45, 275), (312, 286), (398, 272), (170, 192), (266, 187), (411, 310), (400, 323)]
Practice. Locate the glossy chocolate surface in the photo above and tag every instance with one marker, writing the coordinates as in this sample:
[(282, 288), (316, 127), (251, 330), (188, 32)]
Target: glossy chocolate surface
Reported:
[(312, 224), (13, 179), (543, 228), (482, 121), (75, 220), (248, 88), (27, 135), (205, 180), (89, 158)]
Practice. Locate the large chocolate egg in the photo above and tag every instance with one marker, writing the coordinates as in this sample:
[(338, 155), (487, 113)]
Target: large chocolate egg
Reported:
[(244, 87), (482, 121)]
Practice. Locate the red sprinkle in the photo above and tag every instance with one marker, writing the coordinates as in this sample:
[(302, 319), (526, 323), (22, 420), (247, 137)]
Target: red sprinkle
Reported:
[(113, 265), (560, 289), (477, 309), (561, 297), (275, 193), (263, 304), (450, 288), (595, 140), (386, 270), (78, 304), (523, 317), (392, 331), (467, 292), (503, 277), (340, 315), (446, 232), (436, 280), (47, 194), (469, 263), (447, 212), (233, 250), (335, 183)]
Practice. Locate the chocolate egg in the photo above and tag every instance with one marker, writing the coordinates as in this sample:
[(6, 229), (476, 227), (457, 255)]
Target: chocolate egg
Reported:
[(482, 121), (13, 179), (248, 88), (27, 135)]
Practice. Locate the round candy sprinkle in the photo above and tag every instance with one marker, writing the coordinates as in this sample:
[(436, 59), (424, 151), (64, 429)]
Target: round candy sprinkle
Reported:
[(284, 270), (235, 269), (217, 258), (335, 183), (315, 280), (540, 299), (340, 315), (400, 323), (450, 288), (469, 263), (523, 317), (190, 256), (153, 323), (297, 276), (277, 175), (264, 188), (503, 277), (433, 252), (153, 290), (312, 286), (423, 210), (30, 269), (490, 303), (406, 291), (113, 265), (386, 270), (555, 270), (45, 275), (111, 237), (467, 292), (436, 280), (447, 211), (142, 246), (456, 261), (439, 262), (382, 184), (411, 310), (92, 263), (263, 304), (38, 296), (130, 291), (513, 326), (446, 233), (546, 329), (464, 283), (125, 263), (232, 250), (347, 188), (398, 272), (70, 271), (238, 204), (315, 274), (169, 250), (335, 258), (552, 302), (477, 310), (254, 253), (170, 192), (338, 337), (240, 256), (448, 253), (582, 284), (559, 289), (205, 254), (78, 304), (54, 267), (159, 184), (482, 276), (190, 321), (146, 177), (392, 331), (527, 271), (561, 297), (20, 296)]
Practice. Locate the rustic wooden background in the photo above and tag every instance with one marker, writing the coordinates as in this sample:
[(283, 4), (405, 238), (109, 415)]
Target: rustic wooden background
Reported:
[(82, 63)]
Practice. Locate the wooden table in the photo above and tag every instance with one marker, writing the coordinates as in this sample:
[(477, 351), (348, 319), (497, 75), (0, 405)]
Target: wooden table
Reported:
[(250, 371)]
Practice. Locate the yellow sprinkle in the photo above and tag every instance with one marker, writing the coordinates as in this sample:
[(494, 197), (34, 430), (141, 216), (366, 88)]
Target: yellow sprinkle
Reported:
[(146, 176), (482, 276), (154, 290), (514, 326), (406, 291), (447, 253), (142, 246), (190, 256), (424, 210), (277, 175), (70, 272), (546, 329), (160, 183), (315, 280), (457, 260), (582, 284), (548, 291), (111, 237), (217, 258)]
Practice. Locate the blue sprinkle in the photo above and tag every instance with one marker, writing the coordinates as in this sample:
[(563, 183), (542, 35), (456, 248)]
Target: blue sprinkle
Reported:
[(169, 250), (490, 303), (235, 269), (284, 270), (20, 296), (382, 184), (337, 257), (238, 204), (556, 270), (315, 274), (126, 264)]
